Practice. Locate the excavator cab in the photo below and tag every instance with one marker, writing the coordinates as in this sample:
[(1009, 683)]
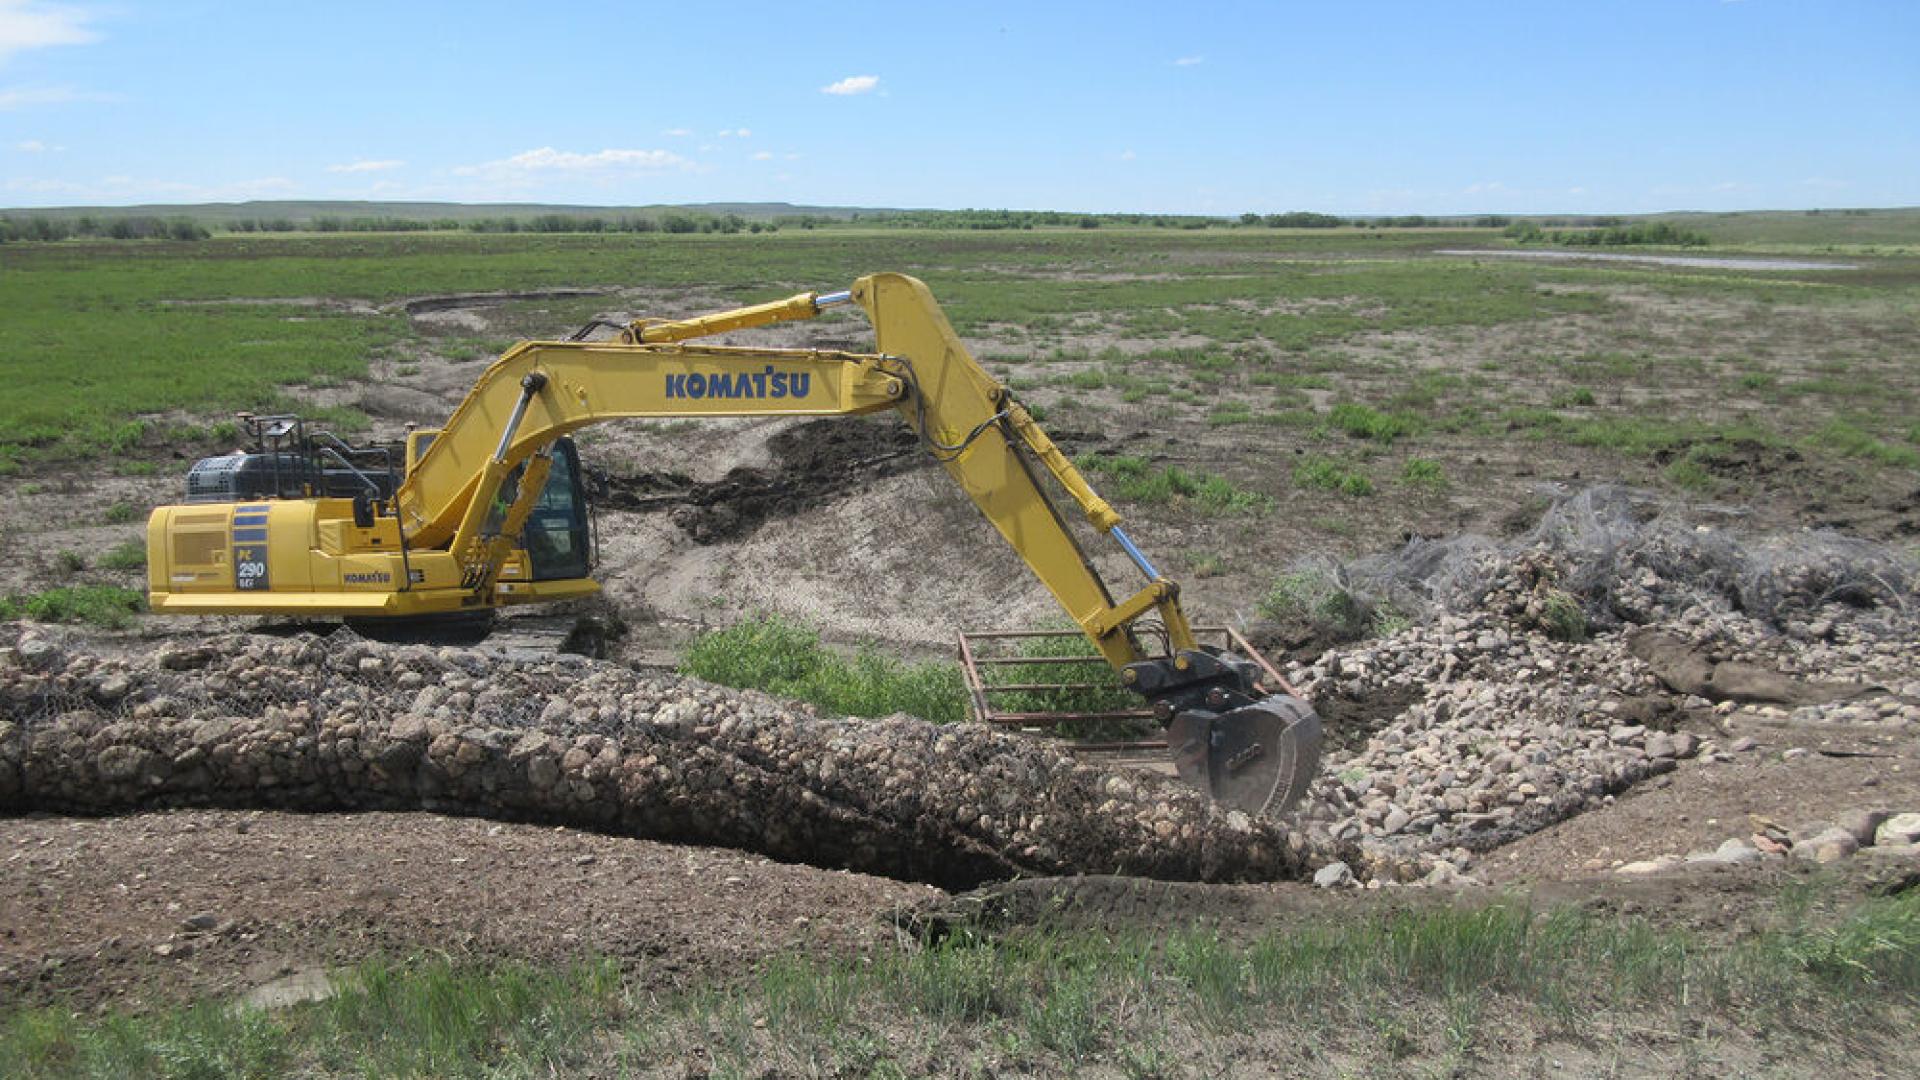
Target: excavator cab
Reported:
[(558, 536)]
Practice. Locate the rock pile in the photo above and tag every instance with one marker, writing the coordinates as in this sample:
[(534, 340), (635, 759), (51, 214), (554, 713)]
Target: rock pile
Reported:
[(1478, 726), (343, 723)]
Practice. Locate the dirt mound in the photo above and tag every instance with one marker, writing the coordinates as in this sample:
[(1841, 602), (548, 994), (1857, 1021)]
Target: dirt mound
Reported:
[(340, 723), (814, 463)]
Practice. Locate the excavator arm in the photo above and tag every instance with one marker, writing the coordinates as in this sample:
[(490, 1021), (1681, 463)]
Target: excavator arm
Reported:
[(967, 419)]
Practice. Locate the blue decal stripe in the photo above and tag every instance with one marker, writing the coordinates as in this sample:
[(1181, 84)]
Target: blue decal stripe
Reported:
[(241, 535), (249, 519)]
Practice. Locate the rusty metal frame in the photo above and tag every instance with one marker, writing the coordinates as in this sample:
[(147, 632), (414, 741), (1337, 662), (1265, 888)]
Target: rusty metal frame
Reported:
[(980, 691)]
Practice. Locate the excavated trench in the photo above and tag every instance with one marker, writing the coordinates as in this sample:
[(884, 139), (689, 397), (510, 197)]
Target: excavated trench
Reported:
[(423, 305)]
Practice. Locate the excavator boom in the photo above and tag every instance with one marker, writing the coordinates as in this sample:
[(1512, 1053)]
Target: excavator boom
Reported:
[(452, 535)]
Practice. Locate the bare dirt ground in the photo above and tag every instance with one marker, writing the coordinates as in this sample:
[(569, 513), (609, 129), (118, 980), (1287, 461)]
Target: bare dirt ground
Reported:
[(1697, 806), (181, 904)]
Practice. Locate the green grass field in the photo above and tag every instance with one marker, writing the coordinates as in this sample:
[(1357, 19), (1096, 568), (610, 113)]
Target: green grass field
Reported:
[(100, 337), (105, 345), (1892, 231)]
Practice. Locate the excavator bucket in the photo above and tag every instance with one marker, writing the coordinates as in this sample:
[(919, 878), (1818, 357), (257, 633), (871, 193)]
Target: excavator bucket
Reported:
[(1259, 758)]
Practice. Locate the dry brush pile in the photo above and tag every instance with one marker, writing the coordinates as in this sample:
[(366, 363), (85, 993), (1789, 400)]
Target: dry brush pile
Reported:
[(341, 723)]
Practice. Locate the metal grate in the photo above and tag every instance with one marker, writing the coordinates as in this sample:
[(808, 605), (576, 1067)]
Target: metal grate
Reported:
[(1007, 676)]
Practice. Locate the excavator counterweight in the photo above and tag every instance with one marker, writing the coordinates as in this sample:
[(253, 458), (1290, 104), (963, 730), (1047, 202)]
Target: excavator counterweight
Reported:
[(490, 509)]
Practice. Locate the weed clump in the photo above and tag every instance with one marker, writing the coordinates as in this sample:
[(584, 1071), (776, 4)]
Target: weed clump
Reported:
[(1423, 473), (1362, 422), (785, 658), (95, 605), (1852, 441), (1561, 616), (1326, 474), (131, 555), (1135, 480), (1316, 597)]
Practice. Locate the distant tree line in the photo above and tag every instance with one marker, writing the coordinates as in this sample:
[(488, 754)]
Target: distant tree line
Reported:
[(1653, 233), (1307, 219), (1596, 230), (539, 223), (1029, 219), (141, 227), (264, 225), (672, 222)]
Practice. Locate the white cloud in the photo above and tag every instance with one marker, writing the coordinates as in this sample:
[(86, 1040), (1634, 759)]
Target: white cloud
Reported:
[(1127, 155), (736, 133), (677, 133), (365, 166), (30, 24), (547, 159), (547, 169), (24, 97), (142, 189), (764, 155), (1190, 61), (31, 146), (852, 84)]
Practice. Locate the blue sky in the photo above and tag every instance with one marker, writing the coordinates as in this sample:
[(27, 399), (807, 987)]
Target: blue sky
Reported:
[(1358, 107)]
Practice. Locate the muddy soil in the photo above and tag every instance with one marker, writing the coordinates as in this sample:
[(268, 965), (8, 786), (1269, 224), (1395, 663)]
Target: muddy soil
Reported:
[(177, 905)]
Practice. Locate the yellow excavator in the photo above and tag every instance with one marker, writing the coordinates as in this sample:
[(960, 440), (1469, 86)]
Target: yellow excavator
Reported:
[(490, 509)]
